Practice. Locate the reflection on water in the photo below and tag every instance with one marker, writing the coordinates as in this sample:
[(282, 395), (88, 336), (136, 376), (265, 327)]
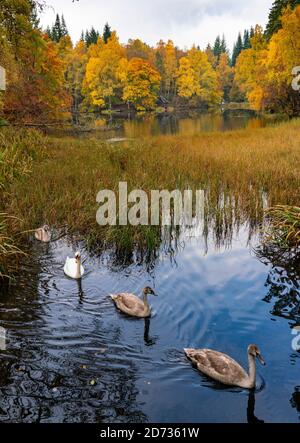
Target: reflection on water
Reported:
[(251, 418), (295, 400), (184, 123), (72, 357), (283, 282)]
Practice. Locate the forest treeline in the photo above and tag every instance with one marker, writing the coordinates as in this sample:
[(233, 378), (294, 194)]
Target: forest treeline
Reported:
[(48, 76)]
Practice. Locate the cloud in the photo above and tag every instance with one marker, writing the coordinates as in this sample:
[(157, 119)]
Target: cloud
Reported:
[(185, 21)]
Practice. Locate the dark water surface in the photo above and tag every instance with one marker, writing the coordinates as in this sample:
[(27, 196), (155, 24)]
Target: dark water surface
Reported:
[(72, 357), (186, 123)]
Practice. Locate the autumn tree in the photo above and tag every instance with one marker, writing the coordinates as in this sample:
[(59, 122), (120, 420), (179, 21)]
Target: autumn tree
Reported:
[(225, 75), (250, 69), (274, 21), (140, 83), (75, 73), (282, 56), (135, 48), (35, 72), (101, 82), (264, 72), (160, 53), (211, 57), (197, 80), (170, 69)]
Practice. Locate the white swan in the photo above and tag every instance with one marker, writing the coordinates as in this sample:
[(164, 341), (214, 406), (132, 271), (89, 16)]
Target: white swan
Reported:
[(73, 267), (223, 368), (43, 234)]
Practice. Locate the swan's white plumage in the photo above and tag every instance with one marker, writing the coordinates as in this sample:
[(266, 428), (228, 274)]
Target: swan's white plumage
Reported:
[(70, 268)]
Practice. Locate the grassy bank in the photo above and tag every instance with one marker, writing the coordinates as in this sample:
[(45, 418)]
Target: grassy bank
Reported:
[(19, 150), (241, 172)]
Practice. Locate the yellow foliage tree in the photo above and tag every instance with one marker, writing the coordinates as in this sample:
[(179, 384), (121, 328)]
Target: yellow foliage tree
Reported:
[(138, 49), (197, 80), (75, 73), (140, 82), (250, 69), (225, 75), (283, 55), (264, 72), (170, 68), (101, 81)]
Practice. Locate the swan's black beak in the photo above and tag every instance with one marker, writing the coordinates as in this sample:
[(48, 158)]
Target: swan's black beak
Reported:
[(261, 360)]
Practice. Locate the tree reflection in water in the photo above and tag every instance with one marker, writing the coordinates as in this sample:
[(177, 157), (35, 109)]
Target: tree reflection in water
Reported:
[(283, 281)]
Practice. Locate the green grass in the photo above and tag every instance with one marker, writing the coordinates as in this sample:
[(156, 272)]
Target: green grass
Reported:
[(284, 227)]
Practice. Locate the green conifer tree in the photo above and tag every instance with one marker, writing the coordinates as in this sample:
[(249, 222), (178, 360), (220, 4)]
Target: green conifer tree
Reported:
[(217, 48), (274, 22), (106, 32), (237, 49), (246, 40), (56, 30), (63, 27), (223, 47)]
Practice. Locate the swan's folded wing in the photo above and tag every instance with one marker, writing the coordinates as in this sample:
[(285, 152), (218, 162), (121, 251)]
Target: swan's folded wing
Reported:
[(219, 366), (130, 301)]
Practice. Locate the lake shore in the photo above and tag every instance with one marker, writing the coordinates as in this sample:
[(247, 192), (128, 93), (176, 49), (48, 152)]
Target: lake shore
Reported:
[(59, 178)]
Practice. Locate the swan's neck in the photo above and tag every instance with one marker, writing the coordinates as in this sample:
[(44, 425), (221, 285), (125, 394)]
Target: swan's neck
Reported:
[(145, 300), (252, 370), (78, 268)]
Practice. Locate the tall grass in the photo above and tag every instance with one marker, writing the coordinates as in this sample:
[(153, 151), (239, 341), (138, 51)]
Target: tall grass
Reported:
[(284, 228), (56, 180), (241, 172), (19, 149)]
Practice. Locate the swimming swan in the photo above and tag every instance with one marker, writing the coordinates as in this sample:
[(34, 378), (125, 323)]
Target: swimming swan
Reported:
[(223, 368), (43, 234), (73, 267), (132, 305)]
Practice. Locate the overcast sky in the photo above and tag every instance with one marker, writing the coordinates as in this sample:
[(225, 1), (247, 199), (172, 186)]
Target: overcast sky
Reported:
[(184, 21)]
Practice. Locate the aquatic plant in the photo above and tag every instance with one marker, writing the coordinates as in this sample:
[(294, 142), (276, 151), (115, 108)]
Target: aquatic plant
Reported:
[(284, 226), (9, 251)]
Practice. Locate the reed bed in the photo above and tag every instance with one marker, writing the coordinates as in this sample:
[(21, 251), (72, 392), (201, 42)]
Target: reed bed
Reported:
[(284, 227), (242, 172), (19, 150)]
